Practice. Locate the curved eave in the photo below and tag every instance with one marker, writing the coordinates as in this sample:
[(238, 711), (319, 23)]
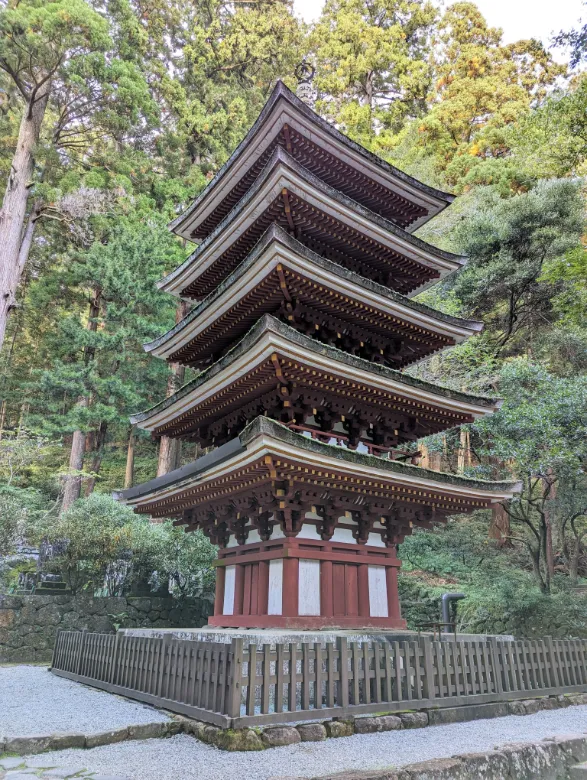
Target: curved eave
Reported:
[(265, 437), (270, 336), (283, 172), (282, 107), (275, 247)]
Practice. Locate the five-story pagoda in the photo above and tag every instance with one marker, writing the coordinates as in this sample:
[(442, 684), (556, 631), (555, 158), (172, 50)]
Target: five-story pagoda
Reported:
[(303, 320)]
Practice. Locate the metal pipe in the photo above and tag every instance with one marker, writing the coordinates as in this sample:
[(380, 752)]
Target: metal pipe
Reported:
[(446, 600)]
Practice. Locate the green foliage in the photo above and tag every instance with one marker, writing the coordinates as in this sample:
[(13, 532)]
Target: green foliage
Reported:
[(21, 511), (509, 244), (571, 269), (482, 86), (501, 596), (186, 560), (372, 64), (551, 141), (101, 545), (542, 422), (93, 535)]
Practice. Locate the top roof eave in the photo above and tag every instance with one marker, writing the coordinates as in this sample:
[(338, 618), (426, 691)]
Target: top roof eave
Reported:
[(280, 91)]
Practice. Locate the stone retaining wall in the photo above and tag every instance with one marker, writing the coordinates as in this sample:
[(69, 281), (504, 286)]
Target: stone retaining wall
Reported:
[(247, 739), (29, 624)]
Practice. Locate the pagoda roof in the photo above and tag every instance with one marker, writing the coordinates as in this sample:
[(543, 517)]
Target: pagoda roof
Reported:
[(279, 266), (273, 352), (285, 120), (288, 194), (266, 452)]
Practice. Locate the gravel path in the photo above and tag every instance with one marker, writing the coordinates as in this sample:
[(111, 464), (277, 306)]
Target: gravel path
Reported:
[(34, 701), (186, 758)]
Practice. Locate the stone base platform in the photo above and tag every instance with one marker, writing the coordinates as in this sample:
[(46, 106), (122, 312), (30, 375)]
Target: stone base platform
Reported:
[(281, 636)]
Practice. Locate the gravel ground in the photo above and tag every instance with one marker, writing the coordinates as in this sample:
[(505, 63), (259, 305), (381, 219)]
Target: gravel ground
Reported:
[(33, 701), (185, 758)]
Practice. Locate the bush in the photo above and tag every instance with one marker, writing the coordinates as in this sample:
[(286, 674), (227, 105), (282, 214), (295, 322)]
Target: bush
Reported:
[(20, 511), (91, 536), (501, 596), (103, 545)]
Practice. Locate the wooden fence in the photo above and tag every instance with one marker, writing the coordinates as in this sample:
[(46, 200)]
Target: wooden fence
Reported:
[(244, 684)]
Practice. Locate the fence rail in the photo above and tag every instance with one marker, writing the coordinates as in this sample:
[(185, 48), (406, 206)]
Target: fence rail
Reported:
[(241, 683)]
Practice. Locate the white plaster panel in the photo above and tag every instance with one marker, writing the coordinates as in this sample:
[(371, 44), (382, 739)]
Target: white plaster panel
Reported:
[(375, 540), (309, 532), (277, 533), (232, 542), (275, 603), (253, 536), (229, 585), (309, 587), (378, 592), (343, 535)]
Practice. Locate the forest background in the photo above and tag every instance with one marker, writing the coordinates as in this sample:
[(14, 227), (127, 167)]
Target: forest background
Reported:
[(128, 108)]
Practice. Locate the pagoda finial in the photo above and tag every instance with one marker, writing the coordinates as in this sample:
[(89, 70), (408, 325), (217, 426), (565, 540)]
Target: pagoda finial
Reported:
[(304, 73)]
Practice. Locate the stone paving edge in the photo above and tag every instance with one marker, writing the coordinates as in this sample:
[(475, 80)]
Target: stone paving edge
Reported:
[(248, 739), (33, 744), (552, 757)]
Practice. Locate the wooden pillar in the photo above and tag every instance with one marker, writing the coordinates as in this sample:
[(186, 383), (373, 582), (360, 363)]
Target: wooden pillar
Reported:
[(219, 595), (363, 588), (291, 572), (326, 596), (239, 589), (393, 607), (247, 600), (263, 588), (254, 589)]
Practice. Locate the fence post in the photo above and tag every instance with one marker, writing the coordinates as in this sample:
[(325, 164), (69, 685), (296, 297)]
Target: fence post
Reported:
[(343, 667), (114, 661), (429, 691), (55, 648), (165, 644), (497, 678), (553, 663), (82, 644), (234, 679)]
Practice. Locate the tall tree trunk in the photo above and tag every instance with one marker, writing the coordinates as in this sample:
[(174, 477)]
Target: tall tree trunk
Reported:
[(2, 418), (549, 488), (28, 235), (24, 410), (549, 551), (130, 459), (574, 562), (97, 455), (14, 205), (464, 455), (170, 449), (73, 481), (430, 460), (500, 526)]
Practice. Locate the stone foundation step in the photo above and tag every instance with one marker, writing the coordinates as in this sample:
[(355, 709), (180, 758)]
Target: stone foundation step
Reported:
[(578, 772)]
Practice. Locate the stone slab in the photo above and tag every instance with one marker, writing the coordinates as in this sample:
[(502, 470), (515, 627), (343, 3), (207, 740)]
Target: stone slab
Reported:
[(468, 712), (11, 762), (312, 732), (106, 738), (283, 636)]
